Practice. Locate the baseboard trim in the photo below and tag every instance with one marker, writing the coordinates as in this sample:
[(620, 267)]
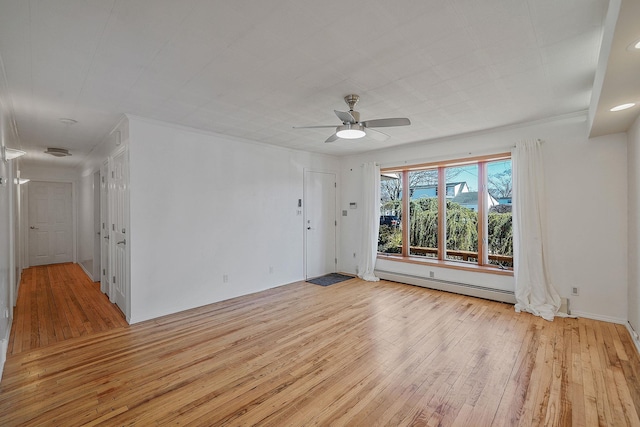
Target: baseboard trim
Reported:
[(86, 272), (4, 348), (634, 336), (592, 316), (455, 287)]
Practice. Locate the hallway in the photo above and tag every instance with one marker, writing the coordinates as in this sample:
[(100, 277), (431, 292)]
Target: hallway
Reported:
[(57, 302)]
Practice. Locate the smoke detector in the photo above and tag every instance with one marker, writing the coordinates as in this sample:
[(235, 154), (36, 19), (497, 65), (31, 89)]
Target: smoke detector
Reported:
[(58, 152)]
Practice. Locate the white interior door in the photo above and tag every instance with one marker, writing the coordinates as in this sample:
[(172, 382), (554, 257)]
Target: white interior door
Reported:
[(119, 238), (97, 233), (50, 223), (104, 230), (320, 223)]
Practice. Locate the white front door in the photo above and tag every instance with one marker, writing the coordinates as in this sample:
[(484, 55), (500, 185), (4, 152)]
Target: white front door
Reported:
[(50, 223), (320, 223), (104, 230), (119, 235)]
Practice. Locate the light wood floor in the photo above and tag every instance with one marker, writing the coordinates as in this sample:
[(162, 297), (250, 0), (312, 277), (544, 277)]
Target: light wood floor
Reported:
[(57, 302), (354, 353)]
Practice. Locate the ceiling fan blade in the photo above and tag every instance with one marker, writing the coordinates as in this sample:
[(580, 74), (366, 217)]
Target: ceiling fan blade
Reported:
[(345, 116), (376, 134), (332, 138), (314, 127), (382, 123)]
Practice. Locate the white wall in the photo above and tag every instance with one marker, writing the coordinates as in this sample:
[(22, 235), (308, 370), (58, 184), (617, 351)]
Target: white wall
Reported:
[(52, 174), (634, 224), (9, 267), (5, 257), (587, 209), (204, 206)]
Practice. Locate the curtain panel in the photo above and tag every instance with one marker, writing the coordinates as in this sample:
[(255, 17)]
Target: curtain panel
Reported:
[(533, 290), (370, 221)]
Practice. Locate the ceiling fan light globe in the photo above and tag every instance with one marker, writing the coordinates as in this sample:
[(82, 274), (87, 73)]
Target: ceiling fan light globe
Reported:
[(350, 132)]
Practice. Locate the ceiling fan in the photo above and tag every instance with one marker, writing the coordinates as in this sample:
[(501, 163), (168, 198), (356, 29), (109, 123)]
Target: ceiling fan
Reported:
[(353, 128)]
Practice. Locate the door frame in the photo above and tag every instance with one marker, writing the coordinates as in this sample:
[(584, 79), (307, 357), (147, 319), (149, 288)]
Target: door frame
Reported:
[(124, 150), (74, 219), (305, 216)]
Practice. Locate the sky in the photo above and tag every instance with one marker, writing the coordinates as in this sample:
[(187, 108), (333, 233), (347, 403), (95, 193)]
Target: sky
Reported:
[(470, 173)]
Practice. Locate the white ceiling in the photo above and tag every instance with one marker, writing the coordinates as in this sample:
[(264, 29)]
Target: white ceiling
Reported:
[(255, 69), (617, 76)]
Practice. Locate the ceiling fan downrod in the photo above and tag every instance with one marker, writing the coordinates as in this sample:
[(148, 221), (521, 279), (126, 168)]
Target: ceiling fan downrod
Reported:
[(351, 101)]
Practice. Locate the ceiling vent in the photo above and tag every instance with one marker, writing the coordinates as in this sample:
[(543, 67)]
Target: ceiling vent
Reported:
[(58, 152)]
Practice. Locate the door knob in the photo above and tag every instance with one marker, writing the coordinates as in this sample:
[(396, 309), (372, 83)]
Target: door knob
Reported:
[(122, 241), (308, 228), (34, 228), (106, 237)]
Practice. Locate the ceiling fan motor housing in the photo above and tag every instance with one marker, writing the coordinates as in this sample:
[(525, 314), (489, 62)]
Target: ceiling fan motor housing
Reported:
[(351, 100)]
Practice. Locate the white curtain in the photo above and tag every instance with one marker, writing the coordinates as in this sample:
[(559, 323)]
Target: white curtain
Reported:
[(370, 221), (534, 293)]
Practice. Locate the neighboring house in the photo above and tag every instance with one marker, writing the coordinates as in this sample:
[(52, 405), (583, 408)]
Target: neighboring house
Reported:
[(469, 200), (453, 189)]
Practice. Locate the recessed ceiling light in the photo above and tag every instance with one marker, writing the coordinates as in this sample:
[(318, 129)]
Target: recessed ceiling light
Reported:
[(623, 106), (634, 47), (67, 121)]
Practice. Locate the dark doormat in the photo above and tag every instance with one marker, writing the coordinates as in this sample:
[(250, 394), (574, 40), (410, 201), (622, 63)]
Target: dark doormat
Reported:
[(329, 279)]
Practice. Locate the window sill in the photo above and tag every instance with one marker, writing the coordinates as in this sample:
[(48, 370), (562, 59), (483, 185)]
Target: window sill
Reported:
[(446, 264)]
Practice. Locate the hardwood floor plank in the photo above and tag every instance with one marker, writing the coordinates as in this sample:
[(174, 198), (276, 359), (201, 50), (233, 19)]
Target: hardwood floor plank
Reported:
[(57, 302), (354, 353)]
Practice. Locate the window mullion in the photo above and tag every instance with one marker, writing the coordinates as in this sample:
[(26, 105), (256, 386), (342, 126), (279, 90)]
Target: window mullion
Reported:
[(482, 213), (406, 199)]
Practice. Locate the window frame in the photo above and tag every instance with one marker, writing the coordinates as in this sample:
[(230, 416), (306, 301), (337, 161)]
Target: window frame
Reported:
[(482, 264)]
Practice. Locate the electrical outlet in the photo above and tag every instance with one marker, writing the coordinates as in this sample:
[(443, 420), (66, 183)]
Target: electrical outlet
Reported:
[(354, 254), (225, 278), (271, 270), (432, 274), (575, 291)]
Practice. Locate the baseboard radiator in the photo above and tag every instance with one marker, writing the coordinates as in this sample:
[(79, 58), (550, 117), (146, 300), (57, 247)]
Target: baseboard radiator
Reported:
[(449, 286)]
